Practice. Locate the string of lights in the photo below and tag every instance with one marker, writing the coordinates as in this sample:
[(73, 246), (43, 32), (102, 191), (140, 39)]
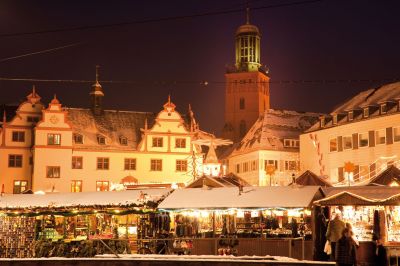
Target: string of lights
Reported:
[(203, 82), (153, 20)]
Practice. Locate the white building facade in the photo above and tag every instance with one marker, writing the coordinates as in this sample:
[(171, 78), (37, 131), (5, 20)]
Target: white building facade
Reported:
[(364, 131)]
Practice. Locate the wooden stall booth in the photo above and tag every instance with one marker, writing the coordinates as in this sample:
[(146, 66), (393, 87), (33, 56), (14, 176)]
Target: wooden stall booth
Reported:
[(373, 212), (243, 221), (77, 224)]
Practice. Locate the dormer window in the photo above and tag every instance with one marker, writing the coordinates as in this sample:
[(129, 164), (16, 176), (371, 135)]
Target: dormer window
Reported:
[(383, 108), (335, 119), (101, 140), (350, 116), (123, 141), (78, 139), (366, 112)]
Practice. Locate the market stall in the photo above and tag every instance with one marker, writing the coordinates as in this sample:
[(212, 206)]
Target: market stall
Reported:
[(78, 224), (373, 212), (244, 221)]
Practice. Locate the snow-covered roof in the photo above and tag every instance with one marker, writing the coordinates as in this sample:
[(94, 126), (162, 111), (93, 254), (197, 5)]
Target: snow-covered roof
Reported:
[(81, 199), (111, 124), (251, 197), (271, 128), (371, 97)]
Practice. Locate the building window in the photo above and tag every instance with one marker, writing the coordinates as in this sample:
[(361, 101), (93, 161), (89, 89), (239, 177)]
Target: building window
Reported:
[(20, 186), (77, 162), (53, 172), (396, 134), (347, 142), (15, 160), (253, 165), (245, 167), (271, 162), (180, 143), (366, 112), (335, 119), (291, 143), (351, 115), (53, 139), (157, 142), (290, 165), (333, 145), (238, 168), (242, 128), (241, 103), (33, 119), (78, 139), (102, 186), (130, 164), (363, 140), (181, 165), (380, 136), (383, 108), (18, 136), (101, 140), (76, 186), (103, 163), (156, 165), (123, 141)]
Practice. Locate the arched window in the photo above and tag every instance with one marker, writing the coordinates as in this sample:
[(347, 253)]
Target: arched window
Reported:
[(242, 129), (241, 103)]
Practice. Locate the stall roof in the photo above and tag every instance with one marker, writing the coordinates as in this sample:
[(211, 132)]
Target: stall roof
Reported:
[(82, 199), (359, 195), (308, 178), (251, 197), (230, 180), (391, 174)]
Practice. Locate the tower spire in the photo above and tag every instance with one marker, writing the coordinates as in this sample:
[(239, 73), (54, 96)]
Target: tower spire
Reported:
[(97, 95), (247, 14), (97, 74)]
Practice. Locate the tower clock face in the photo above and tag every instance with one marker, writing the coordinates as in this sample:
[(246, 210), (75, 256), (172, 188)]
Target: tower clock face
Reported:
[(54, 119)]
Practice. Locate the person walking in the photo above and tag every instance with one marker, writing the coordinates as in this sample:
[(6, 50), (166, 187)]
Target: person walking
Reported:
[(334, 232), (351, 232), (346, 250)]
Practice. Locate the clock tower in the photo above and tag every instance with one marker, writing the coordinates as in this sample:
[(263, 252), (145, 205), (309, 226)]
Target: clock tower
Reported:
[(247, 84)]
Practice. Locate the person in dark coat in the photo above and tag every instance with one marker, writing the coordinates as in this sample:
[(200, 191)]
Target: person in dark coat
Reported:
[(334, 232), (346, 250)]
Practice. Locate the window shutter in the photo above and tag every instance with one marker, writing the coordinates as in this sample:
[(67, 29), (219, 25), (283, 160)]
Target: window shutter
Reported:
[(340, 174), (340, 143), (389, 135), (371, 138), (355, 141)]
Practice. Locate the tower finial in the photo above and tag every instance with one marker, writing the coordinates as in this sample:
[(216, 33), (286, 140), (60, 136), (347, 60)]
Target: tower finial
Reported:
[(97, 74), (4, 117), (169, 98), (247, 14)]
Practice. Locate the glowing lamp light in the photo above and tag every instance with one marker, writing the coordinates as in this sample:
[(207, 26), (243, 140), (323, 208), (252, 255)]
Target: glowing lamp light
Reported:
[(174, 186), (40, 192), (393, 184), (254, 214), (240, 214)]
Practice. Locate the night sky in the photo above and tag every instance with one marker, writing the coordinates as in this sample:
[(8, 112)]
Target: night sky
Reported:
[(329, 41)]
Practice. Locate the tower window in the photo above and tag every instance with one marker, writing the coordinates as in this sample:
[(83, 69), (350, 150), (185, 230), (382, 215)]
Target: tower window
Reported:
[(242, 128), (241, 103)]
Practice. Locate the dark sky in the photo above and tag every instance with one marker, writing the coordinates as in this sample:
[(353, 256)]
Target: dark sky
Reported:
[(326, 40)]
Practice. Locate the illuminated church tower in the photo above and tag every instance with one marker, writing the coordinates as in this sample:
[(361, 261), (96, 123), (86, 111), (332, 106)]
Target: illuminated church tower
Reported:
[(247, 84)]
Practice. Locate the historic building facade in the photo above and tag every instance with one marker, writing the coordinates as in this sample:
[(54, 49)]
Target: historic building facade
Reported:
[(74, 149), (268, 155), (363, 133), (247, 84)]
